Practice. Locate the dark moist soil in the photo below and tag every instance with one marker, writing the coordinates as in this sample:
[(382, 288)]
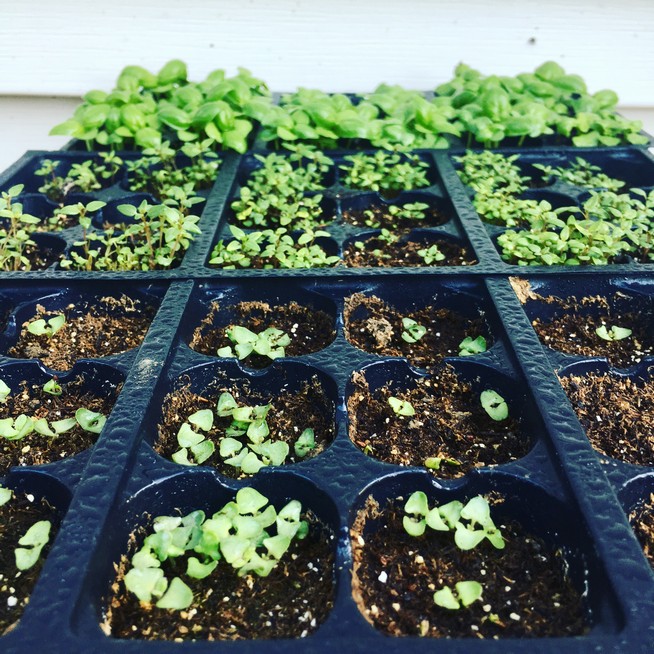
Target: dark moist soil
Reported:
[(642, 521), (383, 219), (380, 332), (291, 602), (526, 592), (110, 326), (290, 415), (616, 413), (36, 449), (377, 253), (573, 332), (449, 423), (16, 517), (310, 330)]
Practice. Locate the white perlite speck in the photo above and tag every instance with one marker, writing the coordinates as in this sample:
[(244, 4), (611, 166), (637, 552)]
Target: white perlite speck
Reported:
[(383, 577)]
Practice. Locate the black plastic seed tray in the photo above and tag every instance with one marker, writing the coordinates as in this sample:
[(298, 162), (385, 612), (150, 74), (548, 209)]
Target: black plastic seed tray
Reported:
[(561, 490)]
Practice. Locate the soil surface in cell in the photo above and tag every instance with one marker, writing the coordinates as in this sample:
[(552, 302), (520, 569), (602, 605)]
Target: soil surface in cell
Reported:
[(16, 517), (110, 326), (290, 414), (617, 414), (380, 330), (309, 329), (642, 521), (575, 332), (378, 216), (377, 253), (449, 424), (31, 400), (525, 590), (291, 602)]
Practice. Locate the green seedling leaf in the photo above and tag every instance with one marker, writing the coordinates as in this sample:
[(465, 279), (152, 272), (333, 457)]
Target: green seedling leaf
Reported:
[(290, 512), (146, 583), (198, 570), (62, 426), (469, 346), (277, 546), (225, 352), (144, 558), (202, 419), (202, 451), (305, 443), (90, 420), (23, 425), (250, 500), (41, 427), (35, 538), (251, 464), (5, 391), (451, 512), (257, 431), (494, 405), (467, 539), (401, 407), (229, 447), (468, 591), (226, 404), (186, 437), (5, 495), (181, 457), (477, 510), (178, 596), (446, 599), (613, 334), (40, 327), (412, 330), (435, 521), (52, 387), (417, 504)]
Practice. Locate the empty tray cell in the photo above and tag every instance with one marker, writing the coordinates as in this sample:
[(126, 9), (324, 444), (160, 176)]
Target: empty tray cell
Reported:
[(217, 415), (238, 569), (414, 248), (409, 209), (31, 509), (449, 323), (493, 559), (452, 421), (47, 418), (616, 410), (257, 328), (62, 327)]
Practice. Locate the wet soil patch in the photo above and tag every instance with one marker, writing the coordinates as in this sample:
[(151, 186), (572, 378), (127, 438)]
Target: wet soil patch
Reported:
[(449, 424), (309, 329), (109, 326), (642, 521), (31, 400), (16, 517), (378, 216), (290, 414), (616, 413), (525, 590), (376, 253), (380, 331), (575, 332), (291, 602)]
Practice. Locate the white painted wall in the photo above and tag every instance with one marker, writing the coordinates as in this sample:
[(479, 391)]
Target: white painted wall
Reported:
[(67, 47)]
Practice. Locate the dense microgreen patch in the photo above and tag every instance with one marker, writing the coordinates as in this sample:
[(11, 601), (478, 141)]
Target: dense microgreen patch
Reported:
[(243, 437), (248, 534), (272, 248), (580, 173), (384, 172)]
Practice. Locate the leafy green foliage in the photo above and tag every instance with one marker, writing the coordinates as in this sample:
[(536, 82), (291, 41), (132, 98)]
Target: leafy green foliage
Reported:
[(156, 237), (494, 405), (15, 228), (269, 343), (546, 102), (248, 534), (471, 523), (580, 173), (384, 171), (470, 346), (144, 109), (271, 249), (243, 443)]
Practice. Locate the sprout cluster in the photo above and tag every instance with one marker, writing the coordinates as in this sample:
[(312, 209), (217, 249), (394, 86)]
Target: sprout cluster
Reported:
[(269, 343), (384, 171), (248, 533), (245, 443)]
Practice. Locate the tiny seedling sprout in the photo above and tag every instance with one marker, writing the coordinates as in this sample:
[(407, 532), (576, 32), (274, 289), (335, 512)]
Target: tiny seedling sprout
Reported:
[(412, 331), (615, 333), (401, 407), (464, 594), (52, 387), (5, 391), (269, 343), (470, 346), (494, 405), (42, 328)]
